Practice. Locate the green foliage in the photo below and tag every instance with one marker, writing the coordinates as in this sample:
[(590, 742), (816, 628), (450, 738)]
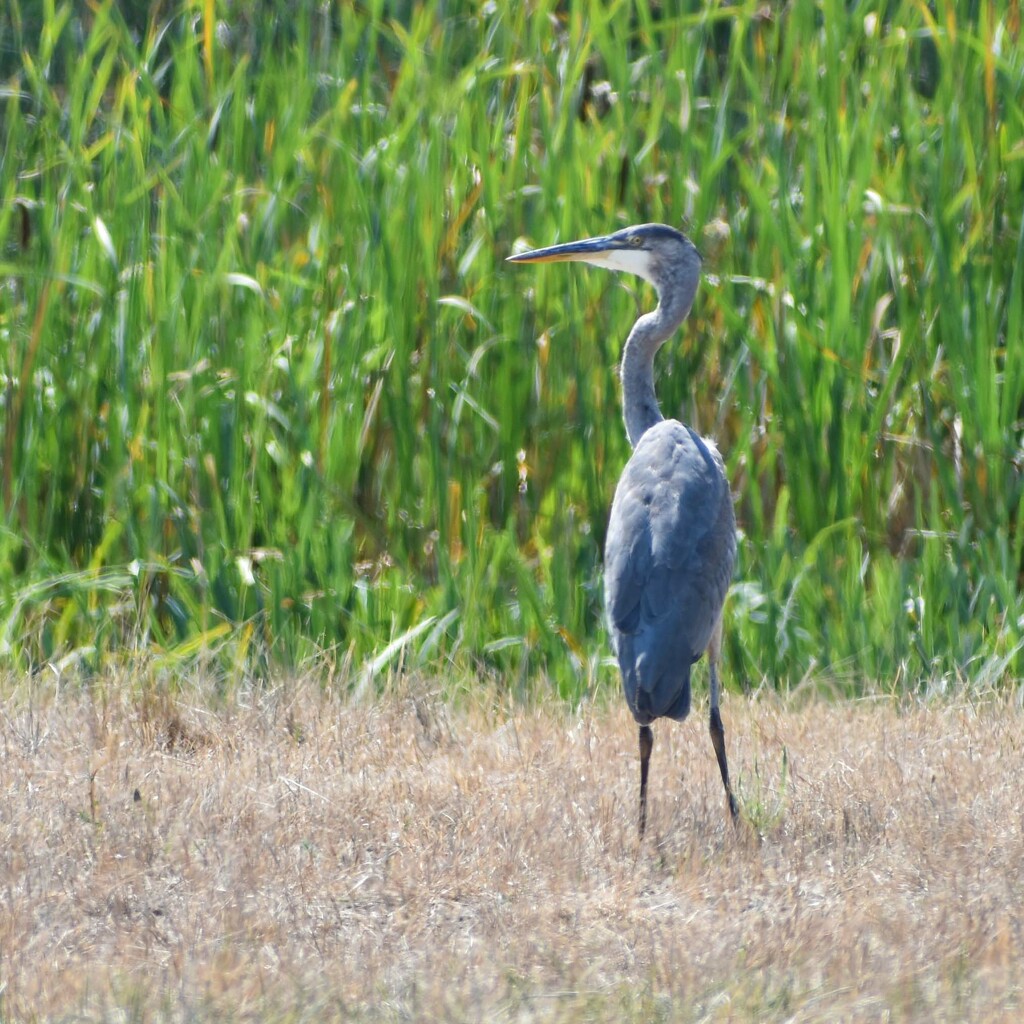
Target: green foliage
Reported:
[(763, 798), (268, 388)]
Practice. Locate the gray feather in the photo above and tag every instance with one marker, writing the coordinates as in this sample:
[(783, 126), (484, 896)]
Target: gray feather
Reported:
[(669, 558)]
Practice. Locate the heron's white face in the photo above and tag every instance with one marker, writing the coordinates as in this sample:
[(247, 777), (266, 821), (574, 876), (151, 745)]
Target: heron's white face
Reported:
[(631, 261)]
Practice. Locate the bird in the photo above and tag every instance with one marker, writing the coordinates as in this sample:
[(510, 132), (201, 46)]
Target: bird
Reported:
[(670, 546)]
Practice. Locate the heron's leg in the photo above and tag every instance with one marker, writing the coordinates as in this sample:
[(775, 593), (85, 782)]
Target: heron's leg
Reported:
[(646, 745), (717, 729)]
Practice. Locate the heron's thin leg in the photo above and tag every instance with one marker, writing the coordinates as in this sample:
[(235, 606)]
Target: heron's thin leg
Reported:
[(716, 727), (646, 745)]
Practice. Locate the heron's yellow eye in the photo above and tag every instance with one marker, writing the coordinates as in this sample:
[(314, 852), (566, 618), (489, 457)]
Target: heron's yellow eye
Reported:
[(636, 241)]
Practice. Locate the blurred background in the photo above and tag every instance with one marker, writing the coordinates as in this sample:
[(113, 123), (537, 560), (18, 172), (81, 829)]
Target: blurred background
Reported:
[(270, 396)]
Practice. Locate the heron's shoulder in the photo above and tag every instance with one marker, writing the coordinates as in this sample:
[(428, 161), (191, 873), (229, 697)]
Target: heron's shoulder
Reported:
[(670, 445)]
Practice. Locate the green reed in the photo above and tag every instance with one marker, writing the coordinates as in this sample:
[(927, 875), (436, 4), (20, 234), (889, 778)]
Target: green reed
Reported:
[(269, 389)]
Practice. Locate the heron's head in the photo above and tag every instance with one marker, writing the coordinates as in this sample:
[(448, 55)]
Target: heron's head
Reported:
[(657, 253)]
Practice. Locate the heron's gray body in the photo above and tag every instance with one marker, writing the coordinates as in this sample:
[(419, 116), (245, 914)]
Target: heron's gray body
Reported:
[(669, 558)]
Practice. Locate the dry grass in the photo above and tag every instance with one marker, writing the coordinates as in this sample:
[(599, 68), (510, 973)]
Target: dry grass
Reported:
[(300, 858)]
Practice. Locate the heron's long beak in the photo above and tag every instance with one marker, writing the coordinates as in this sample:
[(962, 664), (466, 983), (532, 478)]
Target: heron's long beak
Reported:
[(586, 250)]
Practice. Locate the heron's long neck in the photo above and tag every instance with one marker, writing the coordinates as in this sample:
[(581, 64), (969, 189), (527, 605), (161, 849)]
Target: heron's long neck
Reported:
[(640, 404)]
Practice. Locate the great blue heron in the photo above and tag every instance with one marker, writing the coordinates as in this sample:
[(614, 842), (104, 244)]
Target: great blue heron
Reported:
[(671, 540)]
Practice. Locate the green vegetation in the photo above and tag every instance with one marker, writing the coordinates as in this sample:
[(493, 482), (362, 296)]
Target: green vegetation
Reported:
[(268, 390)]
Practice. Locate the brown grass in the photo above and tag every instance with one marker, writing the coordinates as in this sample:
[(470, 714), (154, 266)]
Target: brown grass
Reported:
[(293, 857)]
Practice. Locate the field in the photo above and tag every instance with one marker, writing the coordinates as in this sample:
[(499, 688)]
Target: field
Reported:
[(293, 857), (306, 707)]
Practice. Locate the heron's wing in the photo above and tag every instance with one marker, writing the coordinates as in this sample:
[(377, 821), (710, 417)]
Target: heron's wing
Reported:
[(668, 561)]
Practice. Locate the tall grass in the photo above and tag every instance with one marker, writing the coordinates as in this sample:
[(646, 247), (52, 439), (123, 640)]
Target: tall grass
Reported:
[(268, 389)]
